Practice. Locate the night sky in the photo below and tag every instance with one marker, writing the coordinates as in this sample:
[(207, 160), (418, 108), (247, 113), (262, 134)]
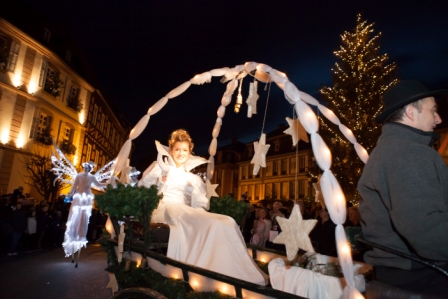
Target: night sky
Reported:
[(140, 50)]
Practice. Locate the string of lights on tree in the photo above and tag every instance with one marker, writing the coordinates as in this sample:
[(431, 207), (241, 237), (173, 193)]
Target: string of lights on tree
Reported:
[(360, 78)]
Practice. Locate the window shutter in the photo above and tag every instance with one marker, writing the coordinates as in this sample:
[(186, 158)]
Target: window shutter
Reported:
[(35, 123), (43, 73)]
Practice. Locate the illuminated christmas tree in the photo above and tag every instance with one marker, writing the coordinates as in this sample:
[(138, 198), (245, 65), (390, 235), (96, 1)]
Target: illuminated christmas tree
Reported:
[(360, 77)]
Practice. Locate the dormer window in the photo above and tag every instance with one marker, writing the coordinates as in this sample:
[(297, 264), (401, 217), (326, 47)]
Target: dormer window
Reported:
[(47, 35), (277, 146), (68, 56)]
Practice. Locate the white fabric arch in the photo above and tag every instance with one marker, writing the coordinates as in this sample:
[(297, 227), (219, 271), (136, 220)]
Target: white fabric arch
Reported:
[(331, 190)]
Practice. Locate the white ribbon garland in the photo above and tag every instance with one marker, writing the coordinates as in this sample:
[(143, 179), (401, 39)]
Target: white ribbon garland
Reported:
[(332, 193)]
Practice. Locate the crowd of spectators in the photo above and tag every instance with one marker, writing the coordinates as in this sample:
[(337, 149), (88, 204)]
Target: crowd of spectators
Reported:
[(28, 225), (261, 226)]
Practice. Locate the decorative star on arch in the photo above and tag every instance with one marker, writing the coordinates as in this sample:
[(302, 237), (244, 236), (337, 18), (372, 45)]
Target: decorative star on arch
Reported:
[(211, 189), (296, 130), (260, 148), (252, 99), (295, 232)]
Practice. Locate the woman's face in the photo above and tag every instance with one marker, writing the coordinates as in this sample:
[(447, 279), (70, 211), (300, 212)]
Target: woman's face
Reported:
[(180, 152)]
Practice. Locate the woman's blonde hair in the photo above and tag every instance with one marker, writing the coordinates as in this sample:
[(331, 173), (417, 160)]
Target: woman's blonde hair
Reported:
[(181, 136)]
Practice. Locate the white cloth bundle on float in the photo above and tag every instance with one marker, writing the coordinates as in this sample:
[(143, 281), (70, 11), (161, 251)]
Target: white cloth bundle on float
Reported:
[(310, 284)]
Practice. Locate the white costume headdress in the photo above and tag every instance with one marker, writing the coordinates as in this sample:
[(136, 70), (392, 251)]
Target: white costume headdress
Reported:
[(90, 164)]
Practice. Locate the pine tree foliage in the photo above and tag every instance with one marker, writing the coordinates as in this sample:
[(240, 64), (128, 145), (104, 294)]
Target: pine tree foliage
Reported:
[(360, 77)]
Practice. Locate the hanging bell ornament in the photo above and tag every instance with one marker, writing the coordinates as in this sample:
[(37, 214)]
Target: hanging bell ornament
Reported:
[(239, 98)]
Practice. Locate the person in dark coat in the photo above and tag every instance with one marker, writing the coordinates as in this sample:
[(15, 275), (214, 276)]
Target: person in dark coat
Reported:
[(404, 192), (16, 194), (249, 224), (18, 221), (323, 235), (42, 220)]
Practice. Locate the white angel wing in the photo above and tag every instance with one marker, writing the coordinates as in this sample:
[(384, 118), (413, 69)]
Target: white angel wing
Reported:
[(164, 151), (193, 162), (62, 167), (104, 174)]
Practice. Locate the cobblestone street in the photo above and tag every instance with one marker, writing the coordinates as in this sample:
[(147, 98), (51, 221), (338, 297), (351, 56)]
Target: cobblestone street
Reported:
[(48, 274)]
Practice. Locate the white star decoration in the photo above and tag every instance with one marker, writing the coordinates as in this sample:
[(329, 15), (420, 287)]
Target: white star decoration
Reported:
[(211, 189), (252, 99), (260, 148), (296, 130), (295, 232)]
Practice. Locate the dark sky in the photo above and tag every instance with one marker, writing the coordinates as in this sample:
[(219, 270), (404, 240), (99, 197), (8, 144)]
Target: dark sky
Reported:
[(140, 50)]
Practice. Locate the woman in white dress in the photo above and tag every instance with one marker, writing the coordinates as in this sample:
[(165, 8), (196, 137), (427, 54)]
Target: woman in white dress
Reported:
[(80, 210), (197, 237)]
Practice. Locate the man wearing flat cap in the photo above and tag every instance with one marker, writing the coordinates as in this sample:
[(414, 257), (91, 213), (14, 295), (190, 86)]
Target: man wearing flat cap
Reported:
[(404, 191)]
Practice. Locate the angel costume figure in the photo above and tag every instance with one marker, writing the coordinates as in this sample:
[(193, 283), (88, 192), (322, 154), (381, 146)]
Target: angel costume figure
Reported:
[(197, 237), (80, 210)]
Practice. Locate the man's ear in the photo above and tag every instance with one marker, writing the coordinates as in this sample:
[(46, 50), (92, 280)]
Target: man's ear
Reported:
[(410, 111)]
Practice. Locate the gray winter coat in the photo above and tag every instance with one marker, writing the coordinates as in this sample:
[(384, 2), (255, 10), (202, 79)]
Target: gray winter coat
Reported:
[(404, 205)]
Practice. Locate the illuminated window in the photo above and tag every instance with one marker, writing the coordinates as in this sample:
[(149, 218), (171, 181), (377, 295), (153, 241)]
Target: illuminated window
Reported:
[(72, 98), (285, 190), (66, 133), (293, 165), (44, 123), (275, 168), (301, 189), (257, 192), (89, 151), (301, 163), (284, 166)]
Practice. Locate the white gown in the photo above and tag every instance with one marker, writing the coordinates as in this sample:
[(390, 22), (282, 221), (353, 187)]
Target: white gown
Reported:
[(197, 237), (80, 211)]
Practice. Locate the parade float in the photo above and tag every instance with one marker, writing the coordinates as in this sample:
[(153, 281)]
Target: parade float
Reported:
[(136, 256)]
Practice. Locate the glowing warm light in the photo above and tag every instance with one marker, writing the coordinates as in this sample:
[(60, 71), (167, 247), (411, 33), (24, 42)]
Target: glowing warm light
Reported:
[(20, 141), (263, 260), (82, 117), (75, 160), (4, 136), (138, 263), (327, 152), (32, 87), (345, 249), (309, 115), (16, 80), (175, 276), (339, 197), (223, 289), (195, 283)]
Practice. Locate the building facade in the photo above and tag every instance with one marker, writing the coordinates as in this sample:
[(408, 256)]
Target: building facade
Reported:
[(45, 96), (286, 173)]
